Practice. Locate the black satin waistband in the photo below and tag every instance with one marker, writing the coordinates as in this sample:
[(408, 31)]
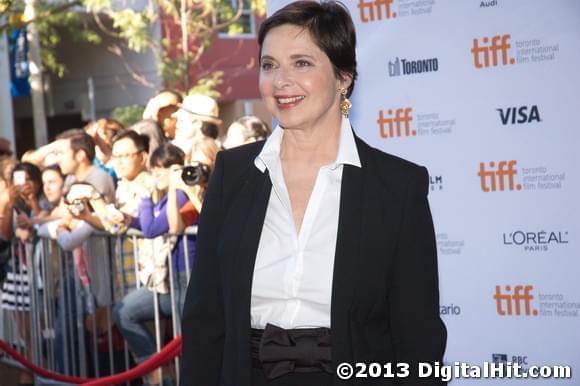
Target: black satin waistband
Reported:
[(279, 351)]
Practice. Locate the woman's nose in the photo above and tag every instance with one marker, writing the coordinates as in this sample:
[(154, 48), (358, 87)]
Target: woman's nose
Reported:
[(282, 79)]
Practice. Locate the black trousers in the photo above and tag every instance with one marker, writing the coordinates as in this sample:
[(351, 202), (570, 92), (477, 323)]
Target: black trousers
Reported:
[(292, 379)]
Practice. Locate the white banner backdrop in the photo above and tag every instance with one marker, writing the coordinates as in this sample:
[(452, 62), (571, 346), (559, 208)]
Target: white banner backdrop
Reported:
[(486, 94)]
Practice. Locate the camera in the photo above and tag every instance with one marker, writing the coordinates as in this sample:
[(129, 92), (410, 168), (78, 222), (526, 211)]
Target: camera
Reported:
[(76, 207), (195, 174)]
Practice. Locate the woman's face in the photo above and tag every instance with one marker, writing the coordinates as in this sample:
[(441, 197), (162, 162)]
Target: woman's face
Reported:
[(29, 186), (52, 184), (297, 80), (161, 176)]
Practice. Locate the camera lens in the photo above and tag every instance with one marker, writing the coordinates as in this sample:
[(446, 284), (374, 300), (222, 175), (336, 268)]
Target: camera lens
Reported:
[(77, 207), (195, 174)]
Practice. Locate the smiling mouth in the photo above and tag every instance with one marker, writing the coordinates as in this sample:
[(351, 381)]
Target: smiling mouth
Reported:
[(289, 101)]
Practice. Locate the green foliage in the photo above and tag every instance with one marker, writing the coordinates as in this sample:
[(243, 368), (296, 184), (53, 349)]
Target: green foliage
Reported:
[(53, 27), (128, 115), (203, 18), (208, 85), (54, 19), (134, 27)]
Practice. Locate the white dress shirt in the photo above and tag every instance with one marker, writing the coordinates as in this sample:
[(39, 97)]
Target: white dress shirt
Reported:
[(292, 284)]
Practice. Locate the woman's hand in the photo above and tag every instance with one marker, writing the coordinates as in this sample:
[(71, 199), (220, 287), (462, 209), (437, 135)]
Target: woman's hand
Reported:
[(12, 193), (175, 181), (28, 195)]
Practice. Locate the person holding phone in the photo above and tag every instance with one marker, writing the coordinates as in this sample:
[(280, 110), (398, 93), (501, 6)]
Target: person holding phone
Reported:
[(21, 203)]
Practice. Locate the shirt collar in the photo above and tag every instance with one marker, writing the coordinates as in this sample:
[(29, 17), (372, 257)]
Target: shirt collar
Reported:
[(347, 150)]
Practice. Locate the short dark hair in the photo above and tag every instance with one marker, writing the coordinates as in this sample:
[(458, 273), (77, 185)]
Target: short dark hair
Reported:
[(254, 127), (79, 140), (331, 28), (54, 168), (32, 171), (209, 129), (166, 155), (151, 130), (141, 141)]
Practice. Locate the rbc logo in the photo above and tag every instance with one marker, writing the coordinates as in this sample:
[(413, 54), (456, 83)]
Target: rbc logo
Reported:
[(494, 177), (485, 54), (396, 123)]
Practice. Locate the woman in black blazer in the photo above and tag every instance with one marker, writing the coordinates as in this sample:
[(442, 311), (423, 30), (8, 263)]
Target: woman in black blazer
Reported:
[(314, 249)]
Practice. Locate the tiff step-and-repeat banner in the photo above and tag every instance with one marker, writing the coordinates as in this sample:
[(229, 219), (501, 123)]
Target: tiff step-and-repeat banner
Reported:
[(486, 94)]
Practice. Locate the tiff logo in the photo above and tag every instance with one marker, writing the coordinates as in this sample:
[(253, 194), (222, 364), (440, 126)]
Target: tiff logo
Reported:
[(519, 115), (481, 51), (493, 179), (511, 302), (371, 10), (397, 126)]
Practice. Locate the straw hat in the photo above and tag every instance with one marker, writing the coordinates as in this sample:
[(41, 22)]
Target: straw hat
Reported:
[(203, 107)]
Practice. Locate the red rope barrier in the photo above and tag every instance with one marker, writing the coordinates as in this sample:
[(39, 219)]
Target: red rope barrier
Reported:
[(36, 369), (170, 351)]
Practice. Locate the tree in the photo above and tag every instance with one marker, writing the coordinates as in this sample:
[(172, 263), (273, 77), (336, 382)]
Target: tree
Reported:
[(188, 28), (53, 20)]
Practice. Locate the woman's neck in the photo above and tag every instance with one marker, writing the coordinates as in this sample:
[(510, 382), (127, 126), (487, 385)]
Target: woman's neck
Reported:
[(316, 145)]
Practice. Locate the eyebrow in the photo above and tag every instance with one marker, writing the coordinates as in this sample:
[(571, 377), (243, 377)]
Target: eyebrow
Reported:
[(294, 56)]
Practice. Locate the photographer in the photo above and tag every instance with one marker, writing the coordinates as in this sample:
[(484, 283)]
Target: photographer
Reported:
[(193, 181), (137, 307)]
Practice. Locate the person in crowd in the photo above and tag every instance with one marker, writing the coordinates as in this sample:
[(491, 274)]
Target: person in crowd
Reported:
[(18, 204), (197, 118), (6, 167), (137, 308), (203, 160), (5, 149), (102, 132), (313, 248), (151, 130), (22, 202), (246, 129), (76, 154), (52, 186), (130, 157), (78, 222), (160, 109)]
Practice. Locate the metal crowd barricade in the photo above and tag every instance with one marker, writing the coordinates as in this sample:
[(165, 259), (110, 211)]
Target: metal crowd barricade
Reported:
[(59, 324)]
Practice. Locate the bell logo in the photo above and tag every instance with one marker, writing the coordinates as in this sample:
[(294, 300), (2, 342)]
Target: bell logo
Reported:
[(516, 301), (397, 126), (493, 179), (481, 51), (513, 115), (371, 10)]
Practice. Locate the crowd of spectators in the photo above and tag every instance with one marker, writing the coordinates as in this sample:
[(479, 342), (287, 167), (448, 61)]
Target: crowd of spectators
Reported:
[(105, 179)]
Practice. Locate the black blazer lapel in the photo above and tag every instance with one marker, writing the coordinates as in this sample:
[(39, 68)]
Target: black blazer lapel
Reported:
[(247, 214), (347, 249)]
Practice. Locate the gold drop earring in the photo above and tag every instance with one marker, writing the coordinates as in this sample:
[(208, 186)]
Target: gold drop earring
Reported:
[(345, 104)]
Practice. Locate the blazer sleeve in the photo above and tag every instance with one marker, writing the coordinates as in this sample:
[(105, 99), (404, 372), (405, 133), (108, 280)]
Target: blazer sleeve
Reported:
[(203, 323), (419, 334)]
